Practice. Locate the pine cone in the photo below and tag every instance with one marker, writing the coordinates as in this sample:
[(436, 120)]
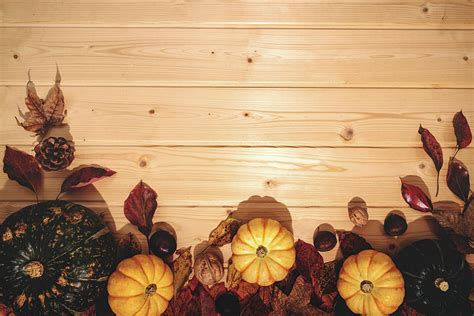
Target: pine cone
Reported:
[(54, 153)]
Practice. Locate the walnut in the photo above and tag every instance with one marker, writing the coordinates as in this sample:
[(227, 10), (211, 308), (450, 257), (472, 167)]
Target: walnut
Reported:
[(208, 268)]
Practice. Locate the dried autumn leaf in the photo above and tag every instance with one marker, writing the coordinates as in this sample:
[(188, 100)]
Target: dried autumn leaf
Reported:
[(328, 276), (233, 276), (84, 175), (22, 168), (183, 304), (182, 266), (298, 300), (415, 197), (43, 114), (434, 150), (308, 260), (286, 285), (128, 246), (224, 232), (351, 243), (460, 223), (458, 179), (255, 306), (6, 311), (140, 206), (216, 290), (462, 130), (208, 307), (245, 290)]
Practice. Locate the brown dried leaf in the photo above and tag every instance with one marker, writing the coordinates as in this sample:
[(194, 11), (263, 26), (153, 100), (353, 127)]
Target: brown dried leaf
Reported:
[(460, 223), (182, 267), (462, 130), (22, 168), (140, 206), (43, 114), (233, 276), (224, 232), (255, 306), (297, 301), (128, 246), (328, 276)]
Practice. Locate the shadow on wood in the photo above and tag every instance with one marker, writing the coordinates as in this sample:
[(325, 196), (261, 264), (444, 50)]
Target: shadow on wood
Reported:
[(265, 207)]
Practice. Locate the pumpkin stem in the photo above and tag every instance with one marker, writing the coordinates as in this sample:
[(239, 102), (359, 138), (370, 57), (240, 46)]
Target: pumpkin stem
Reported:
[(366, 286), (261, 251), (442, 284), (150, 289), (33, 269)]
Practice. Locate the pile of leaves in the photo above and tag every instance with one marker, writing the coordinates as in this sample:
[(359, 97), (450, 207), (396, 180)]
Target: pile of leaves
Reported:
[(458, 222)]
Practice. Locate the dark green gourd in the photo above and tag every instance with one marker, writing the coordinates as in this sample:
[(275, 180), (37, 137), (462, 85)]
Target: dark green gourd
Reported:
[(437, 278), (55, 259)]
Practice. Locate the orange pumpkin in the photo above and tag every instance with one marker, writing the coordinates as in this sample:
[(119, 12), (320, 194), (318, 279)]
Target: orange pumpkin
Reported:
[(140, 286), (263, 251), (371, 284)]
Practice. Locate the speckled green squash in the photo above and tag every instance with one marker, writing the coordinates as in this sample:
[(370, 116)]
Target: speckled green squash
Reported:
[(55, 258)]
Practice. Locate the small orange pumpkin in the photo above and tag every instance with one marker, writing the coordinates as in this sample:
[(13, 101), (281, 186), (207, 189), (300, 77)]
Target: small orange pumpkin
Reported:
[(263, 251), (371, 284), (140, 286)]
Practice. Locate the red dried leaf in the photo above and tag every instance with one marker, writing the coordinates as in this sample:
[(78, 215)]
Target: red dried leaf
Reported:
[(6, 311), (458, 179), (286, 285), (351, 243), (208, 307), (43, 114), (245, 290), (416, 198), (84, 175), (140, 206), (308, 260), (462, 130), (183, 304), (216, 289), (22, 168), (433, 149), (255, 306)]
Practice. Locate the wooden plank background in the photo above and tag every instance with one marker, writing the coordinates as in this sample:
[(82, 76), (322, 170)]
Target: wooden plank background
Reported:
[(279, 108)]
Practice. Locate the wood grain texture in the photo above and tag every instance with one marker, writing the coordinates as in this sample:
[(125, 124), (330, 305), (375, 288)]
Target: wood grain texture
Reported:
[(239, 57), (381, 14), (193, 225), (187, 176), (247, 117)]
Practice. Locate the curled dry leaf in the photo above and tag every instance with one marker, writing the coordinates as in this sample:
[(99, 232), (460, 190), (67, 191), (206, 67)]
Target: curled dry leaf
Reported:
[(6, 311), (224, 232), (208, 307), (233, 276), (351, 243), (286, 285), (128, 246), (433, 149), (415, 197), (460, 223), (43, 114), (22, 168), (182, 267), (140, 206), (84, 175), (183, 304), (462, 130), (255, 306), (458, 179)]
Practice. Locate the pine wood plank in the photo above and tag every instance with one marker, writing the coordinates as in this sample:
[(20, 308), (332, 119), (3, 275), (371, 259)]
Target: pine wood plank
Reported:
[(193, 225), (195, 176), (239, 57), (406, 14), (247, 117)]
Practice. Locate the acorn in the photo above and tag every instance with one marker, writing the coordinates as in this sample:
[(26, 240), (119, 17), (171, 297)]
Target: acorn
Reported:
[(358, 216), (208, 268), (227, 304), (324, 240), (162, 244), (395, 225)]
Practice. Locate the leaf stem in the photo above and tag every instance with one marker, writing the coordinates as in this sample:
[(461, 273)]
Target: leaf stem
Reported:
[(148, 243), (437, 184), (57, 196), (456, 152)]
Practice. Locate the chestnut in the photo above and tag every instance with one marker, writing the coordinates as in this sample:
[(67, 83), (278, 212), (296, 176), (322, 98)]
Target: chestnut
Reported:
[(324, 240), (162, 244), (395, 225)]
